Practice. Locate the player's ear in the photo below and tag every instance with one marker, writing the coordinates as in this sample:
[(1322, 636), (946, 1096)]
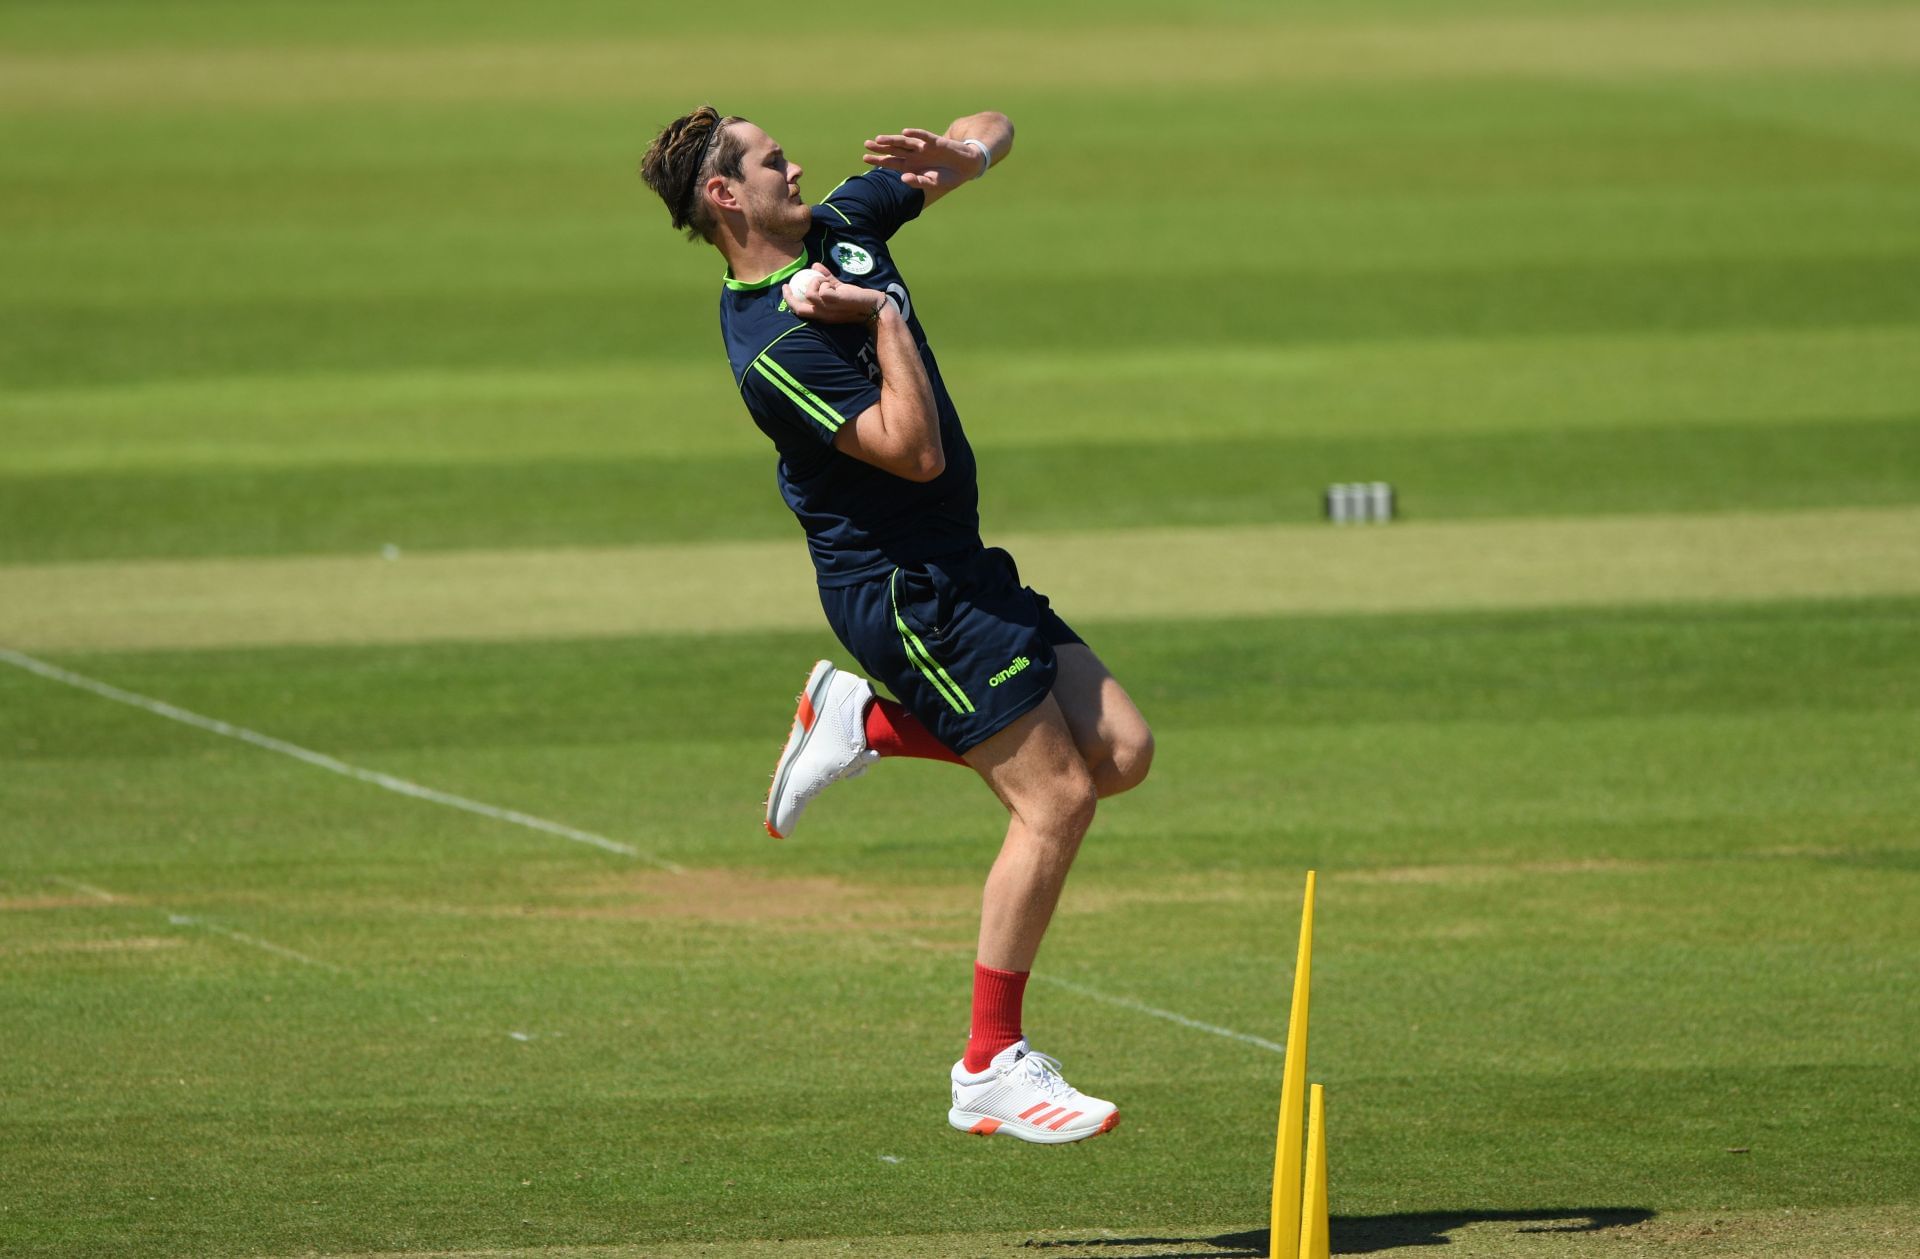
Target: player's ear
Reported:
[(718, 194)]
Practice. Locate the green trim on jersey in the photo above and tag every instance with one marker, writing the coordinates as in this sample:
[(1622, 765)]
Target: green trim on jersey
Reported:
[(742, 287), (804, 398), (923, 659), (798, 324)]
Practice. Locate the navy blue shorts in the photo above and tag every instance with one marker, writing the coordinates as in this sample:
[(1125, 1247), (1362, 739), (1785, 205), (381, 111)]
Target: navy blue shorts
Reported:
[(958, 640)]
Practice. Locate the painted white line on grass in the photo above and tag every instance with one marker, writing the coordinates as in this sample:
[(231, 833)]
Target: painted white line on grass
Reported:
[(186, 920), (1106, 998), (98, 893), (321, 760), (403, 787), (1140, 1007)]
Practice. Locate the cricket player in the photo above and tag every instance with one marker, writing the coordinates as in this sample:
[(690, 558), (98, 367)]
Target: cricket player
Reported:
[(837, 372)]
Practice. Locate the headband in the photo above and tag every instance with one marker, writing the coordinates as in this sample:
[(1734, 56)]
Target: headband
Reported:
[(686, 198)]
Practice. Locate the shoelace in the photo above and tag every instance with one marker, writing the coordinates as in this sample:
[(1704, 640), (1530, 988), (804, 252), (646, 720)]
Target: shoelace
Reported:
[(1044, 1071)]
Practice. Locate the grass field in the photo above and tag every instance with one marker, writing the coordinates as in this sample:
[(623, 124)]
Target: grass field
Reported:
[(398, 621)]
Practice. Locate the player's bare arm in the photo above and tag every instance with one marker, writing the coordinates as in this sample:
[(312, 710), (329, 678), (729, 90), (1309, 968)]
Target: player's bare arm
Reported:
[(901, 432), (937, 164)]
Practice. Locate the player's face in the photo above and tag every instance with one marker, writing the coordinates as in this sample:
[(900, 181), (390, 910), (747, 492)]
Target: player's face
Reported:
[(770, 188)]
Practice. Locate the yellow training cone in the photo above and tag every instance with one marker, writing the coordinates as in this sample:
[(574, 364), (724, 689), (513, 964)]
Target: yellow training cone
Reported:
[(1284, 1237), (1313, 1219)]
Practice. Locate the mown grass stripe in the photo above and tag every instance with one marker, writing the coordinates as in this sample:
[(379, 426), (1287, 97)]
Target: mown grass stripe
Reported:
[(1031, 488), (1421, 391), (1121, 56), (592, 324), (1588, 666)]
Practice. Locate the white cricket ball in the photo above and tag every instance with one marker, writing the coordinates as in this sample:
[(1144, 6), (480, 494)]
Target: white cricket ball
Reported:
[(804, 280)]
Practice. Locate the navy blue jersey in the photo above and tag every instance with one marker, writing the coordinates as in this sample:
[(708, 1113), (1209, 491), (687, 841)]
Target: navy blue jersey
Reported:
[(803, 381)]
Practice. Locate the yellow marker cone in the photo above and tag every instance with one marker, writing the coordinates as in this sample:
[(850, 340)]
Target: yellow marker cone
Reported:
[(1284, 1235), (1313, 1219)]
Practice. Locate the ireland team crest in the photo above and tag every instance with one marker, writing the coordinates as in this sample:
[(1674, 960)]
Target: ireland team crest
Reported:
[(852, 259)]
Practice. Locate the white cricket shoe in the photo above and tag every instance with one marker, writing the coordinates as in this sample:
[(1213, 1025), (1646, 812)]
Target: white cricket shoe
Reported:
[(1022, 1094), (828, 743)]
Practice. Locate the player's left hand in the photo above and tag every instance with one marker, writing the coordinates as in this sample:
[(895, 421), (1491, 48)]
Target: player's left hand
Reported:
[(925, 160)]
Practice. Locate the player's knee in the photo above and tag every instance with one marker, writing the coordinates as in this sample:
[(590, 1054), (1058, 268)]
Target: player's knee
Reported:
[(1128, 762), (1067, 809), (1077, 802), (1134, 758)]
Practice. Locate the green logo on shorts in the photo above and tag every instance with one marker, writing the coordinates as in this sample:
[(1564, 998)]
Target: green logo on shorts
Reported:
[(1019, 663)]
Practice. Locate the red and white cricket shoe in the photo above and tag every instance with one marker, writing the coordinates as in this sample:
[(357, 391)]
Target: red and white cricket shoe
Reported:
[(1022, 1094), (828, 744)]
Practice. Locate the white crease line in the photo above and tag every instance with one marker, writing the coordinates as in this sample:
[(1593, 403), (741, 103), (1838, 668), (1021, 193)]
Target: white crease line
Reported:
[(405, 788), (1094, 994), (98, 893), (1128, 1003), (322, 761), (184, 920)]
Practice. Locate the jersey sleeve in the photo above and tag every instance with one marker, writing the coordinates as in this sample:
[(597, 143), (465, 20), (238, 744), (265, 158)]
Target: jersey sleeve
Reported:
[(876, 201), (802, 382)]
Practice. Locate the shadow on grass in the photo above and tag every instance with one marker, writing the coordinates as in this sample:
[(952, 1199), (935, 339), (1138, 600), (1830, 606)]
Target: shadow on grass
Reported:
[(1360, 1234), (1364, 1234)]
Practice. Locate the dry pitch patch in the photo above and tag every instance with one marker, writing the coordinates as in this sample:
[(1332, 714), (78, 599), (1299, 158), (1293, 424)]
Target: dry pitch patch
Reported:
[(1136, 574)]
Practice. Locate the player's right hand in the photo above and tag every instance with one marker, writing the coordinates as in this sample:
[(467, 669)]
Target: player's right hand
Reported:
[(833, 300)]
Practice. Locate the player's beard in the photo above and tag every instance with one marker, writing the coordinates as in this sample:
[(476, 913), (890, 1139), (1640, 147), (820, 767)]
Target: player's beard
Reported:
[(782, 219)]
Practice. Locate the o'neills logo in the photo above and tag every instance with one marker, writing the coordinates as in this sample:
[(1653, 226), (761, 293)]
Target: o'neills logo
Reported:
[(1019, 663)]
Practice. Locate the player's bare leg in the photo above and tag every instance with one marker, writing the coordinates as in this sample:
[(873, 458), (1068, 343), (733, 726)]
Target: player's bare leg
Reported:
[(1037, 770), (1112, 736)]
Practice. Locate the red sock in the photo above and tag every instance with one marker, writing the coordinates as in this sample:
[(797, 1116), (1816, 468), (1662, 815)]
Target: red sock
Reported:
[(996, 1013), (893, 731)]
